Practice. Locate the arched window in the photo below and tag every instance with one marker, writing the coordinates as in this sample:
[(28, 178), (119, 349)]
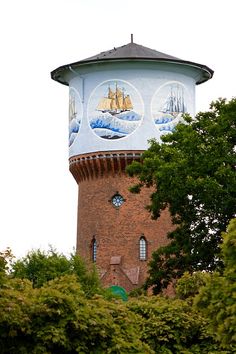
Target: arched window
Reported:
[(142, 248), (94, 249)]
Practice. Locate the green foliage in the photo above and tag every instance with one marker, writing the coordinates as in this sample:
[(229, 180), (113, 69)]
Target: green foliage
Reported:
[(58, 318), (67, 315), (6, 259), (229, 251), (138, 292), (193, 174), (39, 267), (189, 284), (86, 274), (172, 326), (217, 300)]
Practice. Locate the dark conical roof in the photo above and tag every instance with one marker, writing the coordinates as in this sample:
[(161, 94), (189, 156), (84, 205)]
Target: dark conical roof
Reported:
[(131, 52)]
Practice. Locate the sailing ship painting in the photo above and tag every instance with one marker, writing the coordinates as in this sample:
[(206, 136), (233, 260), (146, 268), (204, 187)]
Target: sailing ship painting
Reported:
[(75, 115), (114, 110), (115, 102), (169, 104)]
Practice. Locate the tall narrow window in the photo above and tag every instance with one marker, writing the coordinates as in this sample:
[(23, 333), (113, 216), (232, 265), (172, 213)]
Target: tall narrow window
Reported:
[(142, 248), (94, 249)]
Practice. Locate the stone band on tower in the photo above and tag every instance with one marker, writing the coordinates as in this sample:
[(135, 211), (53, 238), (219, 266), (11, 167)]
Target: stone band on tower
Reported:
[(119, 99)]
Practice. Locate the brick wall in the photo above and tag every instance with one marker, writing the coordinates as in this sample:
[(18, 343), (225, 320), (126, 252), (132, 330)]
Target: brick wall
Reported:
[(117, 230)]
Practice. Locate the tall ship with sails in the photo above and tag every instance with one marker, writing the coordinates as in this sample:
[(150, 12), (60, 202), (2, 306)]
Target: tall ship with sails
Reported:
[(174, 103), (72, 108), (115, 102)]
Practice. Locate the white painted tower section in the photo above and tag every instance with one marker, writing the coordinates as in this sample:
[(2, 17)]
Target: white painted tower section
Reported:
[(149, 87)]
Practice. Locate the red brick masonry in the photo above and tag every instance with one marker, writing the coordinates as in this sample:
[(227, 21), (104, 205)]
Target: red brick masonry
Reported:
[(117, 230)]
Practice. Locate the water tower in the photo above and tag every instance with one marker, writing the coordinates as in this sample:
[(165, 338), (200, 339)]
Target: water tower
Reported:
[(118, 100)]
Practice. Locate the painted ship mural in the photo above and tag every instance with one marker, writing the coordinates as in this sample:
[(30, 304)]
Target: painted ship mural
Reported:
[(115, 102), (169, 113), (114, 116), (74, 119)]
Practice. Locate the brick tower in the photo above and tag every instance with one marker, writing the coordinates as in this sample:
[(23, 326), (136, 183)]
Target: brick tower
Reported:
[(118, 100)]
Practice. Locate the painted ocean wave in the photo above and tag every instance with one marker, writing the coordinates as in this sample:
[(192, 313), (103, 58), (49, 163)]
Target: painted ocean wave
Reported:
[(74, 128), (107, 121), (165, 118), (109, 134), (129, 116), (72, 138), (167, 128)]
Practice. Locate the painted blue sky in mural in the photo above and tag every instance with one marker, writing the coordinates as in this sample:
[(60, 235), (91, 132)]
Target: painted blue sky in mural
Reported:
[(115, 110)]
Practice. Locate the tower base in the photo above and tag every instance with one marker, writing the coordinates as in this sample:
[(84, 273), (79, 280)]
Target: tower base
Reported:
[(121, 239)]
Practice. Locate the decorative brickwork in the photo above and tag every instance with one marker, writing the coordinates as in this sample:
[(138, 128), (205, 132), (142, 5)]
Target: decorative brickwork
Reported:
[(117, 230), (90, 166)]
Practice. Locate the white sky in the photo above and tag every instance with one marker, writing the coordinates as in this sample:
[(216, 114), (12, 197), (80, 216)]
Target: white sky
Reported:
[(38, 196)]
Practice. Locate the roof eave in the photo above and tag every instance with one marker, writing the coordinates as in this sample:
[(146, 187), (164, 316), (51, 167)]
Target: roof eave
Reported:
[(55, 74)]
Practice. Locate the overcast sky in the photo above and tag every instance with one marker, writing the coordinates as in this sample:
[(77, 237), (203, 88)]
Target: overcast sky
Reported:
[(38, 196)]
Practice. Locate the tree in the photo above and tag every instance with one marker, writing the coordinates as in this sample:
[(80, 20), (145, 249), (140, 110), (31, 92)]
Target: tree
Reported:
[(217, 300), (40, 267), (188, 285), (59, 318), (6, 260), (192, 173), (173, 326)]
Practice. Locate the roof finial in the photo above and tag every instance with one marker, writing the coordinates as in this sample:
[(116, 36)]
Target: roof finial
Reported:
[(132, 38)]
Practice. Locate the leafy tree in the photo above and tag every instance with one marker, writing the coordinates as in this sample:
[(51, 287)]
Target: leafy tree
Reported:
[(173, 326), (192, 173), (40, 267), (6, 260), (189, 285), (59, 318), (217, 300)]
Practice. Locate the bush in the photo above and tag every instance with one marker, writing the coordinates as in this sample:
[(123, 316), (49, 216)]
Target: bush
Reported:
[(58, 318), (172, 326), (217, 300), (189, 284), (40, 267)]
